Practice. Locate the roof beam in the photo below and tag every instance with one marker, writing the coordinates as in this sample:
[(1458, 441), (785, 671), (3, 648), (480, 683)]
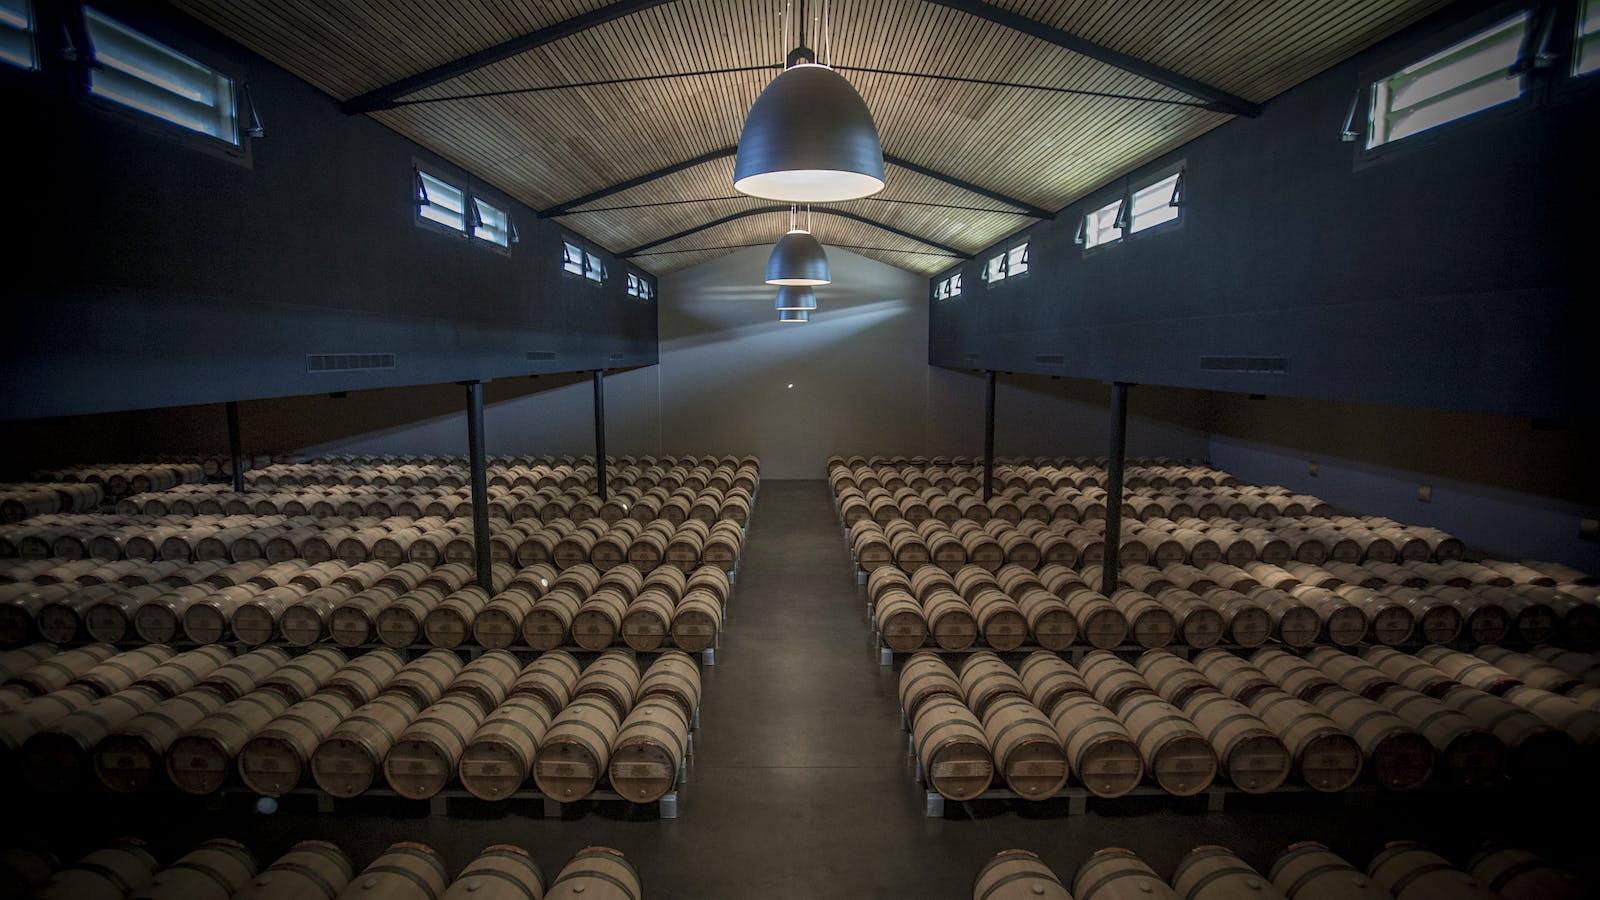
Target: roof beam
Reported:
[(571, 206), (384, 97), (819, 211), (561, 209), (1217, 99), (1028, 208)]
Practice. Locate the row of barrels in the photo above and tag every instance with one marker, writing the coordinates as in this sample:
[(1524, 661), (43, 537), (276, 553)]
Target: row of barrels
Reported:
[(1402, 870), (301, 605), (121, 479), (198, 718), (564, 473), (224, 869), (1025, 472), (1304, 605), (1157, 541), (1324, 719), (513, 504), (25, 500), (430, 540)]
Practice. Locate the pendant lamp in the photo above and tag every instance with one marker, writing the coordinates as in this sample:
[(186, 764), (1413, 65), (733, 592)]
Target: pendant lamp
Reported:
[(800, 316), (795, 298), (798, 258), (809, 137)]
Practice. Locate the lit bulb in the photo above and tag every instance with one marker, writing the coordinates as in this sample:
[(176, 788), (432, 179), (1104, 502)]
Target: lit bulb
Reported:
[(791, 385)]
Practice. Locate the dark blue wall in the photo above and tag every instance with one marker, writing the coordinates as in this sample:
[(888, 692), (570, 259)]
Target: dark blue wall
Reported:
[(144, 270), (1443, 274)]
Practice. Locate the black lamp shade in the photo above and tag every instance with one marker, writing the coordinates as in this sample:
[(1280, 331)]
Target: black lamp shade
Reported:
[(794, 316), (797, 259), (795, 298), (809, 138)]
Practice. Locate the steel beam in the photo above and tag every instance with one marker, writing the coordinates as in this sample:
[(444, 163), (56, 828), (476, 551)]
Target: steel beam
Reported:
[(1114, 466), (1219, 99), (384, 97), (763, 210), (480, 486), (235, 447), (988, 439), (600, 432)]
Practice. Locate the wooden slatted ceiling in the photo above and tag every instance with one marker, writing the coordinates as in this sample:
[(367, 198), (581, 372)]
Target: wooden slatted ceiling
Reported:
[(1048, 149)]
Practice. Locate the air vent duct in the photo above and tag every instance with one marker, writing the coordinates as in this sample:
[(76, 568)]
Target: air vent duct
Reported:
[(348, 362), (1249, 365), (541, 355)]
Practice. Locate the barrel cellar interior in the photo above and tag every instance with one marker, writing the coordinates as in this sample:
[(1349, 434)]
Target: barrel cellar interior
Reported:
[(787, 448)]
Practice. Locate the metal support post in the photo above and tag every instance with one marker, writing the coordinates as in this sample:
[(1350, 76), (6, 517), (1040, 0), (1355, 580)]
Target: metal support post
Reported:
[(234, 446), (1114, 461), (600, 432), (988, 439), (480, 485)]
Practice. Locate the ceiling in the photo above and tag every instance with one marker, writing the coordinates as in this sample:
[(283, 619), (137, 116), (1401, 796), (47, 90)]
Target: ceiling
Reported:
[(1036, 149)]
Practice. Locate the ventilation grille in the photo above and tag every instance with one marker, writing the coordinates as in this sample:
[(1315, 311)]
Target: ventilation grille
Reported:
[(348, 362), (541, 355), (1050, 359), (615, 358), (1254, 365)]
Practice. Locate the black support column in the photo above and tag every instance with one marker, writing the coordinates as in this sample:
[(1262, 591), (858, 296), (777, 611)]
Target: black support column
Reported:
[(477, 461), (988, 439), (234, 446), (1114, 460), (600, 432)]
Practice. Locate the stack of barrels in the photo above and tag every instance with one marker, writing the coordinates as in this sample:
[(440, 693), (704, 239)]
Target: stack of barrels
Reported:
[(118, 480), (1441, 717), (223, 868), (1403, 870), (1220, 564), (130, 720), (28, 500)]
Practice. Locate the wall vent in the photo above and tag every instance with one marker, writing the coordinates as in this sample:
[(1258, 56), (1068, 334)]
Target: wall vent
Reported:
[(541, 355), (615, 358), (1050, 359), (348, 362), (1253, 365)]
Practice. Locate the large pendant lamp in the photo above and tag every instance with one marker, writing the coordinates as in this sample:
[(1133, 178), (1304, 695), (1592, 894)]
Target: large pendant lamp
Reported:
[(798, 260), (794, 316), (795, 298), (809, 137)]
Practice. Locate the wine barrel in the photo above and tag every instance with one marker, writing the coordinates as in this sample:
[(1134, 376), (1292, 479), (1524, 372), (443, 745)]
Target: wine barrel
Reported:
[(405, 871), (304, 675), (1408, 872), (274, 761), (1112, 680), (1519, 875), (1046, 677), (697, 621), (598, 621), (1250, 754), (1172, 677), (576, 749), (1117, 874), (596, 873), (1399, 757), (122, 670), (1175, 753), (498, 758), (309, 869), (199, 760), (1472, 671), (1470, 757), (354, 620), (130, 758), (923, 677), (673, 676), (425, 679), (1310, 871), (952, 749), (347, 761), (57, 756), (1233, 676), (1355, 673), (985, 678), (424, 756), (216, 870), (450, 623), (1325, 758), (364, 677), (184, 671), (1025, 748), (1101, 623), (159, 620), (648, 750), (1536, 753), (1531, 670), (1017, 875), (550, 677), (110, 873), (1297, 677), (1210, 872), (1411, 672), (550, 620), (648, 620), (500, 872)]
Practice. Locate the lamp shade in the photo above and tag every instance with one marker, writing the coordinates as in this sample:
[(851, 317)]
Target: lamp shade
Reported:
[(797, 259), (794, 315), (809, 138), (795, 298)]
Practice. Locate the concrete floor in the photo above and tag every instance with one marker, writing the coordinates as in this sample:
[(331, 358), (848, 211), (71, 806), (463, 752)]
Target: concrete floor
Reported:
[(801, 786)]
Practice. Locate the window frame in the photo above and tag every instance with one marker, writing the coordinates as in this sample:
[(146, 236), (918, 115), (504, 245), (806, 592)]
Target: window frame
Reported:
[(1119, 204), (568, 247), (645, 290), (1535, 93), (594, 264), (1574, 40), (1178, 174), (419, 188), (153, 123), (30, 7), (474, 201), (995, 263)]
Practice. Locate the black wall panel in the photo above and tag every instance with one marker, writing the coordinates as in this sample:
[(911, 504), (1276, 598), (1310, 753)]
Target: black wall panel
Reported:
[(1448, 273), (145, 270)]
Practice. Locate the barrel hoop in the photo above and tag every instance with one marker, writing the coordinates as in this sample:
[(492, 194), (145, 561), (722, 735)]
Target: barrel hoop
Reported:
[(1400, 885), (1034, 719), (106, 872), (677, 739), (625, 888), (1317, 872), (312, 875), (605, 742), (1209, 877), (1009, 879), (1226, 720), (209, 872), (1513, 871), (407, 874)]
